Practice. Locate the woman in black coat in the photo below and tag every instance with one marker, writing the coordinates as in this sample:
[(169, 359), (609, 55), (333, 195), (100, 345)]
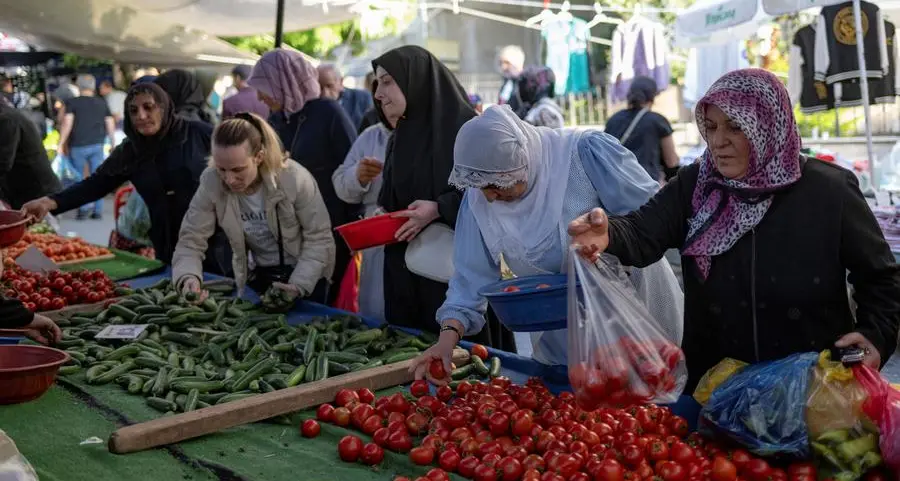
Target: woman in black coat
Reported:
[(424, 105), (163, 157), (316, 132), (766, 237)]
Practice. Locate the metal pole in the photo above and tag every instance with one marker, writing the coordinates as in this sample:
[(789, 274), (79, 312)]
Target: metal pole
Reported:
[(864, 84), (279, 23)]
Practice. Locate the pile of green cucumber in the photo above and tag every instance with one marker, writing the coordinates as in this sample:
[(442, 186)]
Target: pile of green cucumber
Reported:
[(221, 350)]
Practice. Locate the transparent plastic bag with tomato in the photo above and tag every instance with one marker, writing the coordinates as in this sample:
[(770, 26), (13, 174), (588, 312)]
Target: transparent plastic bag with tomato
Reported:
[(618, 353), (882, 406), (762, 407)]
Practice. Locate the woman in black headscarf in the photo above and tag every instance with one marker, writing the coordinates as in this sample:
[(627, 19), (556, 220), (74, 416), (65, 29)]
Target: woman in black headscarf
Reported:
[(163, 157), (186, 92), (421, 100)]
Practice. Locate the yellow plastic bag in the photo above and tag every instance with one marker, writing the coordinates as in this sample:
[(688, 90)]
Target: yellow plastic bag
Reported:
[(715, 377), (834, 399)]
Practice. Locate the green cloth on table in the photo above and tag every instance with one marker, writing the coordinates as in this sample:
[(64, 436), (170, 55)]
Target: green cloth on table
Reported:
[(256, 452), (124, 266)]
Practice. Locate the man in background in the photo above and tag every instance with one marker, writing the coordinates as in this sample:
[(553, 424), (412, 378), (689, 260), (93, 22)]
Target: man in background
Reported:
[(511, 62), (25, 171), (86, 124), (354, 101), (246, 99), (14, 96), (66, 90), (115, 100)]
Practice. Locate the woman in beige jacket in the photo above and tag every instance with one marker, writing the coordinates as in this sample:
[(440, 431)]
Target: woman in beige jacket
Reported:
[(267, 205)]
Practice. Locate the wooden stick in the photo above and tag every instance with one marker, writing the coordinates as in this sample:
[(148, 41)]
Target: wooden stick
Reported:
[(181, 427)]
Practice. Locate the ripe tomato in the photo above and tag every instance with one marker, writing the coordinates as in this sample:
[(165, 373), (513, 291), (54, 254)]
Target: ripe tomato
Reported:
[(436, 369), (398, 404), (723, 470), (799, 469), (381, 436), (360, 413), (57, 303), (632, 455), (421, 455), (43, 304), (499, 424), (609, 470), (349, 448), (531, 475), (371, 424), (419, 388), (371, 454), (449, 460), (399, 441), (342, 417), (444, 393), (511, 289), (467, 466), (310, 428), (521, 423), (671, 471), (416, 423), (510, 469), (345, 396), (480, 351), (657, 451), (740, 458), (365, 395), (681, 453), (325, 413), (463, 388), (437, 474), (485, 473), (757, 469)]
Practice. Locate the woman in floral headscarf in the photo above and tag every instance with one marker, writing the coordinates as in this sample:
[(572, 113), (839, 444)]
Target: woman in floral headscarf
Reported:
[(766, 235), (315, 131), (536, 93)]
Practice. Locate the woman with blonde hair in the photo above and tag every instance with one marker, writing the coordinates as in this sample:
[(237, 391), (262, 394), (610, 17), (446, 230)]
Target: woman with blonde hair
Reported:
[(266, 205)]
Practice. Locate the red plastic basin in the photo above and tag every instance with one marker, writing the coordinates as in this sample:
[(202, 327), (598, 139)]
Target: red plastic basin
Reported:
[(12, 226), (26, 372), (371, 232)]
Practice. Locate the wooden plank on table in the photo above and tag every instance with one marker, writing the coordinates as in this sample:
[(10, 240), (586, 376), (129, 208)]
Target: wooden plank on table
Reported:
[(180, 427)]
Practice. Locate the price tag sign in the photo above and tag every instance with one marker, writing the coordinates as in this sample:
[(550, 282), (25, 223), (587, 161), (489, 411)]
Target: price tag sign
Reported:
[(122, 331)]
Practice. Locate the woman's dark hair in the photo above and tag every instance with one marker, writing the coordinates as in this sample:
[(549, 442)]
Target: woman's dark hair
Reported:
[(642, 91)]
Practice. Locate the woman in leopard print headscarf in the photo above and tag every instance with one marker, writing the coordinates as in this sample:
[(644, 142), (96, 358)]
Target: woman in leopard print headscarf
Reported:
[(766, 237)]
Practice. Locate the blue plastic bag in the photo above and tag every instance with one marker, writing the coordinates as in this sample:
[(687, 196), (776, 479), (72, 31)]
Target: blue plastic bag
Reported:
[(763, 407)]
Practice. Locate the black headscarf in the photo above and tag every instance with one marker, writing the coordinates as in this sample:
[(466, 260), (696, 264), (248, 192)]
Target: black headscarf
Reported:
[(186, 92), (420, 154), (642, 90), (141, 146)]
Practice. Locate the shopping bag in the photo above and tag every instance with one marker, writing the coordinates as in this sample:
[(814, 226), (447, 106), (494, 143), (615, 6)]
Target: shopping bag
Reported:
[(348, 297), (134, 220), (618, 353), (715, 377), (762, 407), (882, 406), (834, 400)]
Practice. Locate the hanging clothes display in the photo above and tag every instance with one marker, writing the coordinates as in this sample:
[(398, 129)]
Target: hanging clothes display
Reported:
[(802, 86), (836, 57), (639, 48), (706, 64), (885, 91), (567, 39)]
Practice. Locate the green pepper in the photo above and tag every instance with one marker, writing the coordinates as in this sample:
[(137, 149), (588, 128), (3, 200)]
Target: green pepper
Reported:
[(836, 436), (827, 454), (869, 460), (857, 448)]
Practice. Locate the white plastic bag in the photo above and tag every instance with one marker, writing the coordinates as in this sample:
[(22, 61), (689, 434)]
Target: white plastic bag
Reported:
[(13, 466), (618, 353)]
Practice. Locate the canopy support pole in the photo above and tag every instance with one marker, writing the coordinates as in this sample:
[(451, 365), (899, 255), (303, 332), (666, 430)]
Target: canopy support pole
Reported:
[(279, 23), (864, 85)]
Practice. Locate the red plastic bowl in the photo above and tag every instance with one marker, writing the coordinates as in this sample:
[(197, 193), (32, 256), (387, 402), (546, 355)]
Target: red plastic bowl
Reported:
[(371, 232), (12, 226), (27, 372)]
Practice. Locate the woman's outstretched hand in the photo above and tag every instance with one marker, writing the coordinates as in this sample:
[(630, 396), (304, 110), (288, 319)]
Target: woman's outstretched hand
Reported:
[(590, 233)]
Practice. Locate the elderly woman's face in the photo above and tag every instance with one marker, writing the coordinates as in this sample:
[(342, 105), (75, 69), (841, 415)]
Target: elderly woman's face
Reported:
[(274, 105), (505, 194), (145, 114), (389, 95), (727, 144)]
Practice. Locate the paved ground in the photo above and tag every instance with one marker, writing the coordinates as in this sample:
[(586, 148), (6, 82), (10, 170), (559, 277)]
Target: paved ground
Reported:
[(97, 232)]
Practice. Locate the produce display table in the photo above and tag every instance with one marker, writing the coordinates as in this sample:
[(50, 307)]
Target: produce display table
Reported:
[(124, 265), (51, 433)]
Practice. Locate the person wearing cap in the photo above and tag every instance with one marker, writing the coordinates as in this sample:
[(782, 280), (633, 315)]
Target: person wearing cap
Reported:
[(645, 133), (246, 99), (85, 126)]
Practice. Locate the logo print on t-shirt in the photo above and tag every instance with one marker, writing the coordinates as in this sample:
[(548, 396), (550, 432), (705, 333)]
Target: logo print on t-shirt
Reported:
[(253, 216), (845, 26)]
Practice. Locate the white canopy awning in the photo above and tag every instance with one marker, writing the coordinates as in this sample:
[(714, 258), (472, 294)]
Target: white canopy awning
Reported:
[(160, 32), (782, 7), (716, 22)]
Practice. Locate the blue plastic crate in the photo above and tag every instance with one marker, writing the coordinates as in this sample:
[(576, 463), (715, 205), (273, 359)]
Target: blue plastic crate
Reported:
[(10, 340), (530, 309)]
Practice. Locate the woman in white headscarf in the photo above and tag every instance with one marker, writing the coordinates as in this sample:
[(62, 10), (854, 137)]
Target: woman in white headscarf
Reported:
[(523, 185)]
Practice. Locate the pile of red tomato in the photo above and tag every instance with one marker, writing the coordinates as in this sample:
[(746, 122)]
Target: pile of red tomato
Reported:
[(629, 372), (506, 432), (55, 290), (56, 247)]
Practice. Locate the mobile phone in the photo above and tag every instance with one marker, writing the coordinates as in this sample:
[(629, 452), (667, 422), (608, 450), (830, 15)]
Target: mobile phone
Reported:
[(849, 355)]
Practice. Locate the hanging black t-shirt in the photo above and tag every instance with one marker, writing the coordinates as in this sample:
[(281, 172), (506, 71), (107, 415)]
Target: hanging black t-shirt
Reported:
[(644, 141), (90, 120)]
